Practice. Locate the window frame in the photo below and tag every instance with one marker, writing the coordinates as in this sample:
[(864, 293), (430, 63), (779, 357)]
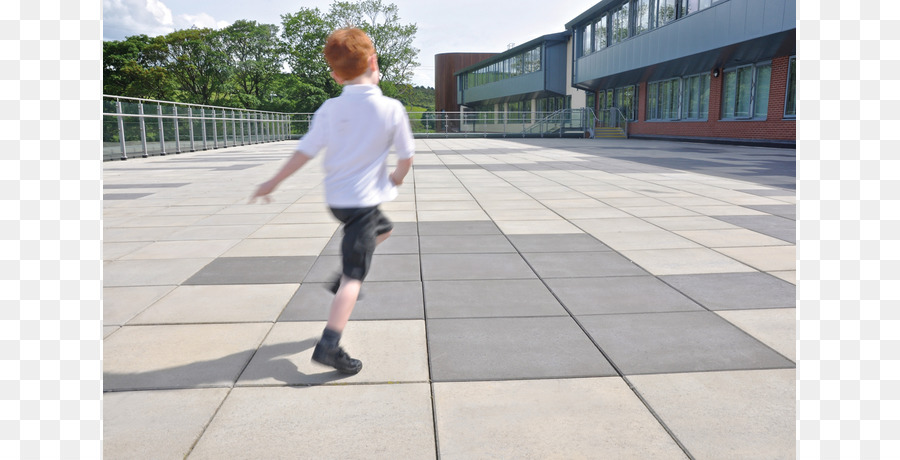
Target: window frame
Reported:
[(751, 109), (791, 83)]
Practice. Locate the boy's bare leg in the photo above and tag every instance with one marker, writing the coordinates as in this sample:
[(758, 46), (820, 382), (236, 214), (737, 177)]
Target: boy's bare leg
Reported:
[(346, 296)]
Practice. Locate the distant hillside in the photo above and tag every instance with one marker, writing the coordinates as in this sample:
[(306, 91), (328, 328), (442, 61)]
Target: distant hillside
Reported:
[(418, 97)]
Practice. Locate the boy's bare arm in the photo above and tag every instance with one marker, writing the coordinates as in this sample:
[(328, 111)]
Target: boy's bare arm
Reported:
[(293, 164), (401, 170)]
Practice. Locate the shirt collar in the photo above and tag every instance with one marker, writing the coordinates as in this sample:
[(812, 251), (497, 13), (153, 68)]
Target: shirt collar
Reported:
[(361, 89)]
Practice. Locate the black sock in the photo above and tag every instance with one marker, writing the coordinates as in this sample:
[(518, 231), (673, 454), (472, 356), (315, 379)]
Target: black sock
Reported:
[(330, 338)]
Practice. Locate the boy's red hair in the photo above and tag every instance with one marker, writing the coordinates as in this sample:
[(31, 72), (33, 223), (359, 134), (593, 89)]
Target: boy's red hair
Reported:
[(347, 52)]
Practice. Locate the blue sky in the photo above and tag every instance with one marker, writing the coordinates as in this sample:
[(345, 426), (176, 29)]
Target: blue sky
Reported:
[(443, 26)]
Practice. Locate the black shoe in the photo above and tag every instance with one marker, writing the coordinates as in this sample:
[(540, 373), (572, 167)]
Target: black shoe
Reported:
[(337, 358)]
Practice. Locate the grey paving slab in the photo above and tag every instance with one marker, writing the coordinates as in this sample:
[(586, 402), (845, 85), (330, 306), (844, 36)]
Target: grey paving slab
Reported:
[(657, 343), (570, 418), (511, 349), (579, 242), (620, 294), (391, 352), (179, 356), (385, 267), (156, 424), (474, 267), (362, 421), (462, 244), (736, 415), (458, 228), (735, 291), (254, 270), (380, 300), (774, 226), (490, 298), (581, 264)]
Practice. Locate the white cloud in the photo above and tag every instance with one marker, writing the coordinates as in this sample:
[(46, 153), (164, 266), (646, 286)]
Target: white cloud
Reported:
[(201, 20), (122, 18)]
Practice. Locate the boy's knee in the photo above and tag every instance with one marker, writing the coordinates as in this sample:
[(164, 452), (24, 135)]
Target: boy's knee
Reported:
[(383, 236)]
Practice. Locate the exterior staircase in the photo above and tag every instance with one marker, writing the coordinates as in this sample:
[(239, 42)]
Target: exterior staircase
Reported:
[(609, 133)]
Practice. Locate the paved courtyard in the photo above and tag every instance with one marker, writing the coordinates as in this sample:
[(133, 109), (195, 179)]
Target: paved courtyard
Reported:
[(542, 298)]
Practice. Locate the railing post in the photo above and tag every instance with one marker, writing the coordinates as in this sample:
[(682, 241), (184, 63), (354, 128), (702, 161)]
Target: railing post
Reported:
[(241, 114), (191, 127), (224, 128), (177, 134), (143, 131), (162, 137), (215, 131), (121, 129), (233, 129), (203, 126)]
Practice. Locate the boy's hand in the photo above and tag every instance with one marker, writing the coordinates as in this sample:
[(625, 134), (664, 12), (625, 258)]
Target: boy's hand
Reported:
[(263, 192), (395, 180)]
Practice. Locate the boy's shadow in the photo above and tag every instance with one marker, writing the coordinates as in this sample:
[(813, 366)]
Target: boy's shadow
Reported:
[(263, 366)]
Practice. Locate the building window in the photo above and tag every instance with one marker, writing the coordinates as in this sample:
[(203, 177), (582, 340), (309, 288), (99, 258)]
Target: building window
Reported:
[(696, 97), (586, 40), (600, 34), (625, 100), (662, 99), (745, 92), (790, 103), (620, 23), (665, 12), (641, 16)]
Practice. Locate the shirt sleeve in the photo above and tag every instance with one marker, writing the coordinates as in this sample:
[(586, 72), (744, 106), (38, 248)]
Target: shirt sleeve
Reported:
[(314, 140), (404, 144)]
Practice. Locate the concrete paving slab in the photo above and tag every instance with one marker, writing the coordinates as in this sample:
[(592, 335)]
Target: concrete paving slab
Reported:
[(385, 267), (735, 291), (458, 228), (773, 327), (179, 356), (490, 298), (571, 418), (166, 423), (211, 232), (254, 270), (690, 223), (581, 264), (769, 258), (182, 250), (219, 304), (730, 238), (462, 244), (474, 267), (121, 304), (736, 415), (685, 261), (620, 294), (114, 250), (522, 227), (576, 242), (275, 247), (643, 240), (511, 349), (391, 352), (774, 226), (150, 272), (657, 343), (325, 230), (360, 421), (380, 300)]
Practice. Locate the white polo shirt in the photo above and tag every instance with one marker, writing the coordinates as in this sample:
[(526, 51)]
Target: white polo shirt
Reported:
[(357, 130)]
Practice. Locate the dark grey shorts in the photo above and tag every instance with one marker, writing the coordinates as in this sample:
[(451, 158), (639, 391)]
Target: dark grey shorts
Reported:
[(361, 227)]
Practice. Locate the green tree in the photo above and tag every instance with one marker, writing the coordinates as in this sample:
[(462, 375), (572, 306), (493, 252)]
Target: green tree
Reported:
[(303, 37), (393, 41), (254, 57), (134, 67), (198, 63)]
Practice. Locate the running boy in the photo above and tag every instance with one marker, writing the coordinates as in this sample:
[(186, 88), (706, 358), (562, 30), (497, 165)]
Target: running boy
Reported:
[(356, 131)]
